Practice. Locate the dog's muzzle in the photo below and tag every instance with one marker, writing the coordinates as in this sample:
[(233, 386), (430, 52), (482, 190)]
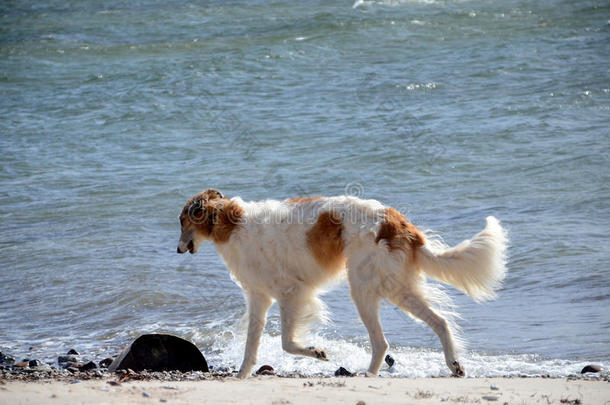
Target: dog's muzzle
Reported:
[(190, 248)]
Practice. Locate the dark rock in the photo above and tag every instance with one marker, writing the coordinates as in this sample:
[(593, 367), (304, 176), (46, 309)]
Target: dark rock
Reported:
[(591, 368), (6, 359), (389, 360), (74, 364), (72, 351), (67, 359), (342, 372), (35, 363), (106, 362), (157, 352), (265, 370), (88, 366)]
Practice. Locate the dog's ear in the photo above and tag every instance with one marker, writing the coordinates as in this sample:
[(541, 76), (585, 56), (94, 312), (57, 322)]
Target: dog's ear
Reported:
[(212, 194), (196, 210), (213, 209)]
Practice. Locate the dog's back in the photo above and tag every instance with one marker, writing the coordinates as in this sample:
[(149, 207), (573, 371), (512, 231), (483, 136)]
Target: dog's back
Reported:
[(299, 240)]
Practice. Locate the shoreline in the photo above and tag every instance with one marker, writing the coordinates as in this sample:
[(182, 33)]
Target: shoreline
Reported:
[(308, 390)]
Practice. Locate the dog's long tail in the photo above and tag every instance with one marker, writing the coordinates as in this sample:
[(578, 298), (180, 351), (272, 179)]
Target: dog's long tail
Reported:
[(476, 266)]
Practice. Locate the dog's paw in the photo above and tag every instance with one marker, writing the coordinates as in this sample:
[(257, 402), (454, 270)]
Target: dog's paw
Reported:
[(457, 369), (318, 353)]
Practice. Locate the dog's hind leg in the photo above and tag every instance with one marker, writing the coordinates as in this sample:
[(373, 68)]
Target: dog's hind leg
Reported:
[(418, 307), (368, 308), (258, 304), (292, 306), (364, 287)]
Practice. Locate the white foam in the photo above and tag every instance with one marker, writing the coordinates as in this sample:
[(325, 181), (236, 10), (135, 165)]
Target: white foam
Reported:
[(228, 347)]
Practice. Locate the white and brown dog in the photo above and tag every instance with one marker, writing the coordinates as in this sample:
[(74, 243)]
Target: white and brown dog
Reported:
[(286, 250)]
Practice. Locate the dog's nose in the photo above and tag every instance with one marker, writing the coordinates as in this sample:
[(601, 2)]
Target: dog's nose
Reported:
[(178, 250)]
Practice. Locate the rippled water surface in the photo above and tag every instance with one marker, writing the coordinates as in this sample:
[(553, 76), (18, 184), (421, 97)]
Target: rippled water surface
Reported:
[(113, 113)]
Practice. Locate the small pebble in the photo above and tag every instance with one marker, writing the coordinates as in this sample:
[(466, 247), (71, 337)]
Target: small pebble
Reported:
[(145, 394), (360, 403), (106, 362), (67, 359), (265, 370), (89, 366), (71, 364), (342, 372), (6, 359), (494, 387), (162, 400), (490, 397)]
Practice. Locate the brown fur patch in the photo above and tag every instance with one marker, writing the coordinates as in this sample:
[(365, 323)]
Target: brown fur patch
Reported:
[(228, 218), (302, 200), (325, 240), (398, 232)]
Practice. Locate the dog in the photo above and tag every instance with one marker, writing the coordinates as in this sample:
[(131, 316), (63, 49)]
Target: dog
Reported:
[(285, 251)]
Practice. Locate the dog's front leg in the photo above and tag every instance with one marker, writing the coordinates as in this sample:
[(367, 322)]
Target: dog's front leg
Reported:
[(258, 304)]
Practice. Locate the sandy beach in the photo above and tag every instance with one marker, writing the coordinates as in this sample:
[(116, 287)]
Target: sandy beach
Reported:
[(307, 391)]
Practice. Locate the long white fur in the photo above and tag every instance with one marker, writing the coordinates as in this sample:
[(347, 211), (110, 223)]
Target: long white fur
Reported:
[(475, 266), (269, 258)]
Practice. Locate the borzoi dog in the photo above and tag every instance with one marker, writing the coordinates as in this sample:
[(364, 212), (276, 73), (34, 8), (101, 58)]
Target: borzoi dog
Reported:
[(285, 251)]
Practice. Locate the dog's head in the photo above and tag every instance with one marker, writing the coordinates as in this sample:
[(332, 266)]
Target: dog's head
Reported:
[(197, 219)]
